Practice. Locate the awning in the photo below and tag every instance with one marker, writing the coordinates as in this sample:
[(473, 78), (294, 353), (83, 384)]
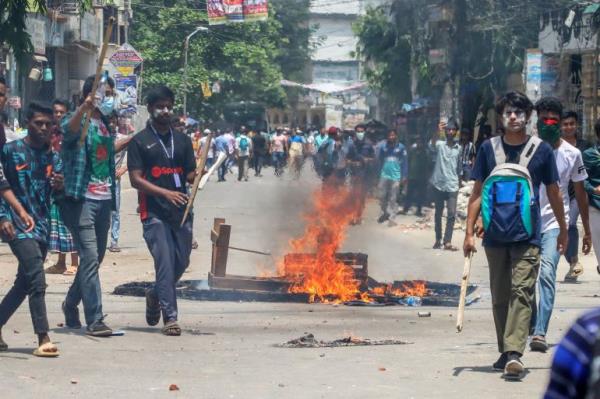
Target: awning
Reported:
[(328, 87)]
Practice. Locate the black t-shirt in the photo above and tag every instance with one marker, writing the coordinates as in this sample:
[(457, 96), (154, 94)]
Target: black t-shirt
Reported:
[(146, 153), (259, 144)]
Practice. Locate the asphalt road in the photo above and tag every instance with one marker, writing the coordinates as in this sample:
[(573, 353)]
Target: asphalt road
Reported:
[(227, 349)]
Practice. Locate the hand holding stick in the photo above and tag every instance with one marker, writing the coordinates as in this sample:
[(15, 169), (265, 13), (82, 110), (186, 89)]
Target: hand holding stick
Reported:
[(107, 34), (199, 169)]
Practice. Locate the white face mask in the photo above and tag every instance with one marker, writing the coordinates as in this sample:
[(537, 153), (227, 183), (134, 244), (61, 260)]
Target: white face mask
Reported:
[(360, 135)]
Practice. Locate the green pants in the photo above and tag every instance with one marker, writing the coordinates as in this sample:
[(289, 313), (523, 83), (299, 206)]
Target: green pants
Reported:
[(513, 274)]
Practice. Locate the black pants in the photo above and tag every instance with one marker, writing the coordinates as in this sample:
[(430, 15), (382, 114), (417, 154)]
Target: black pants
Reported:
[(439, 197), (257, 163), (30, 282), (415, 194)]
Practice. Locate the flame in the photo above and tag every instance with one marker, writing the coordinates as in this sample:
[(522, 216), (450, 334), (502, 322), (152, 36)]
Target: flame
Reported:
[(411, 288), (321, 275)]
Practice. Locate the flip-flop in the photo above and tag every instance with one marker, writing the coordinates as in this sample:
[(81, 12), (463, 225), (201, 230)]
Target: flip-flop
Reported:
[(152, 308), (47, 350), (55, 269), (450, 247), (171, 329), (71, 271)]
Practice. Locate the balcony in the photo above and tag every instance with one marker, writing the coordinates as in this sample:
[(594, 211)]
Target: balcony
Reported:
[(85, 29)]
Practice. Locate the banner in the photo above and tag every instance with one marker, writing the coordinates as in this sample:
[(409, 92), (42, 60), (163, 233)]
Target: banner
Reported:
[(227, 11), (126, 87)]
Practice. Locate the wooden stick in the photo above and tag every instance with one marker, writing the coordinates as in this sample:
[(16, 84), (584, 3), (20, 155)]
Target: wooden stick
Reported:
[(199, 169), (220, 159), (463, 292), (251, 251), (107, 34)]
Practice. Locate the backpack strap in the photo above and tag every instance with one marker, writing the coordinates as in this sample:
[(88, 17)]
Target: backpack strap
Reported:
[(499, 153), (529, 150)]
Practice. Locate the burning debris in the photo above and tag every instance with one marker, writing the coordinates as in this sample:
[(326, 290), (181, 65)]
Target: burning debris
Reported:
[(309, 341)]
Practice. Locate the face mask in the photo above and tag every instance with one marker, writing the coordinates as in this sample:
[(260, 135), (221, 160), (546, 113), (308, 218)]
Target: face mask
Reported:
[(360, 135), (107, 106), (166, 112), (549, 130)]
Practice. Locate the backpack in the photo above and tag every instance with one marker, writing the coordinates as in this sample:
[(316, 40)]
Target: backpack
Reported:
[(507, 196), (243, 144)]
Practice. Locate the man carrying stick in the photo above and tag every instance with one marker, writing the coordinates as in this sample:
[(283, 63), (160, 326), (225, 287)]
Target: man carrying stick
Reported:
[(508, 173), (160, 162), (89, 199)]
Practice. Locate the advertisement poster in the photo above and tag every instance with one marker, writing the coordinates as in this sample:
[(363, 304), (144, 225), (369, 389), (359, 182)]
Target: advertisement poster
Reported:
[(230, 11), (127, 94)]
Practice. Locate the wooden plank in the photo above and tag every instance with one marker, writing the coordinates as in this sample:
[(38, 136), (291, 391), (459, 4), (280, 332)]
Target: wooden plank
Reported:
[(214, 235), (231, 282), (222, 251)]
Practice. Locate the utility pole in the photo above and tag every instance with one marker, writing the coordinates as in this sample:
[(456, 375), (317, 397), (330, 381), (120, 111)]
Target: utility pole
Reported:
[(127, 6), (186, 47)]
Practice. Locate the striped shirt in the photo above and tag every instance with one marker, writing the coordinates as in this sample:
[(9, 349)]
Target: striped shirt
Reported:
[(576, 364)]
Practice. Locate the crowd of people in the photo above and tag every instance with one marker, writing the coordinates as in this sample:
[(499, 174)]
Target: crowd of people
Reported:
[(60, 185)]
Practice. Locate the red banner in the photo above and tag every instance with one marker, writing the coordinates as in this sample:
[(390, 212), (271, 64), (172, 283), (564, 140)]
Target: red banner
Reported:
[(226, 11)]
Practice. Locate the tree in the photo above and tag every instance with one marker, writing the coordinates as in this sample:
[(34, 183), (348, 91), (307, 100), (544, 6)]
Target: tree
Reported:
[(248, 60), (486, 42), (13, 15)]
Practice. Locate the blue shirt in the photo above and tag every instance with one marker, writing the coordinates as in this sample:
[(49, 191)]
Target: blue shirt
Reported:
[(574, 359), (393, 160), (542, 169), (28, 171), (222, 144)]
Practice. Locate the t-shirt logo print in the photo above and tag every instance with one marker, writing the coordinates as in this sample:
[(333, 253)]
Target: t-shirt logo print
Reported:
[(101, 153)]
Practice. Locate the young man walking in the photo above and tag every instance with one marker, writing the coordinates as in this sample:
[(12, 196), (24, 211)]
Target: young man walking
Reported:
[(89, 200), (259, 151), (243, 153), (32, 170), (569, 128), (591, 160), (160, 162), (570, 171), (394, 170), (508, 172), (445, 180)]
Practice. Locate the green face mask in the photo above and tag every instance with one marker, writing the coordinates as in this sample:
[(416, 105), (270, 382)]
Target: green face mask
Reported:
[(549, 130)]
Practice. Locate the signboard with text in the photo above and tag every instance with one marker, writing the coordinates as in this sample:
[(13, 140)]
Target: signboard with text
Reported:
[(126, 57), (226, 11)]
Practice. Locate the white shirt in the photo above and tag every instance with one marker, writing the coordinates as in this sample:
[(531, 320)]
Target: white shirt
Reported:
[(570, 168), (246, 152)]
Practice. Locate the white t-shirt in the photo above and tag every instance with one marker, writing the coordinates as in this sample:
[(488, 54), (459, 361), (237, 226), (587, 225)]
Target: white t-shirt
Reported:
[(238, 141), (570, 168)]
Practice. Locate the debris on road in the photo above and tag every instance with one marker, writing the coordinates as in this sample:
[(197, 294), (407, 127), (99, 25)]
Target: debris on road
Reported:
[(173, 387), (309, 341), (424, 314)]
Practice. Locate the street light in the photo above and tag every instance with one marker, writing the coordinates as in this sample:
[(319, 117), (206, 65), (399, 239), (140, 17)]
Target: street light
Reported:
[(186, 47)]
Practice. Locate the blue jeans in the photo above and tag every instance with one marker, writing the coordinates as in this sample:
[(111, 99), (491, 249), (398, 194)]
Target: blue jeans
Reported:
[(89, 222), (278, 159), (546, 282), (115, 216), (571, 253), (222, 169)]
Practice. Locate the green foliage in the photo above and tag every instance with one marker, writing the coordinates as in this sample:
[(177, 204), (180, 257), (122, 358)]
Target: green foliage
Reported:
[(249, 60), (13, 15)]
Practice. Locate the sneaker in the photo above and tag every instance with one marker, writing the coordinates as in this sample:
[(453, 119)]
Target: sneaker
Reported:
[(71, 316), (514, 368), (538, 344), (437, 245), (383, 218), (99, 329), (501, 362)]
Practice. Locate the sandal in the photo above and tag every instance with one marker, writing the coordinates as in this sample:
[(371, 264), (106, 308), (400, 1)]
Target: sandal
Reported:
[(71, 271), (171, 329), (152, 308), (450, 247), (46, 350), (56, 269)]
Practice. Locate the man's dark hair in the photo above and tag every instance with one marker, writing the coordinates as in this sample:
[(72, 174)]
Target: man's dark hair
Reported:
[(452, 124), (514, 99), (89, 82), (570, 114), (58, 101), (549, 104), (160, 93), (485, 130), (35, 108)]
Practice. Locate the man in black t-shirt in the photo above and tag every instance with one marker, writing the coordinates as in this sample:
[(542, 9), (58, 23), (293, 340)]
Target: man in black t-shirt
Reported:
[(259, 148), (160, 163)]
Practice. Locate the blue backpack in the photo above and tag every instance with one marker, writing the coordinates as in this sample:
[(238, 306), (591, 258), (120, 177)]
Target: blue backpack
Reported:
[(507, 197), (243, 144)]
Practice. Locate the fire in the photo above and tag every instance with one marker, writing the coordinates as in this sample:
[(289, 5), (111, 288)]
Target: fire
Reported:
[(410, 288), (323, 276)]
